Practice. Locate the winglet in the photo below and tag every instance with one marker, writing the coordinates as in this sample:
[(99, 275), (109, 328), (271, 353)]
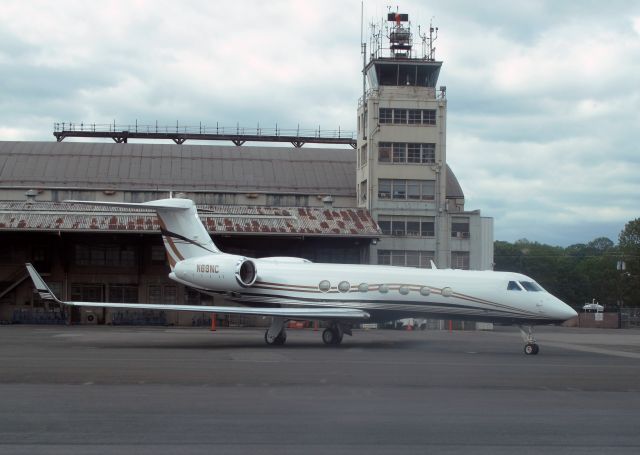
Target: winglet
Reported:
[(433, 265), (41, 286)]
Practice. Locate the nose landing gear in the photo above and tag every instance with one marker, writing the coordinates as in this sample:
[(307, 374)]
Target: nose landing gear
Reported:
[(530, 347)]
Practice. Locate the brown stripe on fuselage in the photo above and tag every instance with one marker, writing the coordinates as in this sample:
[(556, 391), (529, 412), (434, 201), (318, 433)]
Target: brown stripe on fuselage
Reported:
[(391, 287), (169, 241)]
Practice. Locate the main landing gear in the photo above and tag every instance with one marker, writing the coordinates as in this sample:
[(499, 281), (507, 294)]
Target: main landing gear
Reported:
[(333, 335), (276, 335), (530, 347)]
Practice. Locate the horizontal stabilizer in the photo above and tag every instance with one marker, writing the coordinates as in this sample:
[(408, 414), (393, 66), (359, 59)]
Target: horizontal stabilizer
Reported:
[(166, 204)]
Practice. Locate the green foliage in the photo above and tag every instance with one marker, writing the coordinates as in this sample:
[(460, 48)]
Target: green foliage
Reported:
[(629, 244), (578, 273)]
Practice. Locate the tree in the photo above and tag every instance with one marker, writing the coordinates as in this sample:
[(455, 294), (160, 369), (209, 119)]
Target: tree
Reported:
[(629, 243)]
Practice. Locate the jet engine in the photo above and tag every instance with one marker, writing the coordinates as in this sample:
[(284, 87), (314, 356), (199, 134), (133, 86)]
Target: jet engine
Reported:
[(246, 273), (218, 272)]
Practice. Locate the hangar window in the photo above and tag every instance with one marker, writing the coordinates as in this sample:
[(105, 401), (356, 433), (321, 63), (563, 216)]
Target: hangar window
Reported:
[(513, 286), (287, 200), (124, 293), (87, 292), (109, 255), (162, 294), (531, 286), (157, 253)]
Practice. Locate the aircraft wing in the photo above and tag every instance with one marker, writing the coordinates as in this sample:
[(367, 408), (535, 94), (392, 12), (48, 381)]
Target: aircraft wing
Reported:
[(289, 313)]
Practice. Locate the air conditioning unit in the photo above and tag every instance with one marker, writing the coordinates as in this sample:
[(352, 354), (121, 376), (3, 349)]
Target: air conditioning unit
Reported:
[(89, 318)]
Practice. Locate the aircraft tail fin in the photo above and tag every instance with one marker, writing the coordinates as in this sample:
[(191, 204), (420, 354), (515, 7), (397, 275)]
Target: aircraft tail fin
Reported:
[(183, 233)]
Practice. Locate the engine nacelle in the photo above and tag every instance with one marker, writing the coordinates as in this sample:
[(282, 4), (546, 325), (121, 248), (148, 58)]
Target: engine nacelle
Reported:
[(220, 272)]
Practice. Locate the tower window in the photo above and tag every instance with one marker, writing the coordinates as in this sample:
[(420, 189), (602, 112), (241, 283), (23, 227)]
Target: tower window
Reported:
[(399, 152), (386, 115), (415, 116), (428, 116), (406, 153), (460, 260), (384, 152), (384, 189), (405, 258), (399, 225), (406, 189), (399, 116)]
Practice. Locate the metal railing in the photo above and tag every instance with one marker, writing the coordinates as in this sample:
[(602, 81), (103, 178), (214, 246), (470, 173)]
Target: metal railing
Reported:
[(237, 130)]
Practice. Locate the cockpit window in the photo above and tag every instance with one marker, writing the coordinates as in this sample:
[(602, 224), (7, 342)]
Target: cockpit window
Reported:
[(531, 286), (513, 286)]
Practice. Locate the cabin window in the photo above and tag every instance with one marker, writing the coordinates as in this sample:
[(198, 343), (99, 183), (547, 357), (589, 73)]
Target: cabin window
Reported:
[(344, 286), (324, 286)]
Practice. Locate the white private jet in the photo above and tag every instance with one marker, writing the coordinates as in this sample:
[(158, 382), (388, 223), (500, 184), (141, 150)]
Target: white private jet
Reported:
[(287, 288)]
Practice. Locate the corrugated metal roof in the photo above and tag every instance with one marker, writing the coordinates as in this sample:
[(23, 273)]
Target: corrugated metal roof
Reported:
[(227, 219), (179, 167), (184, 168)]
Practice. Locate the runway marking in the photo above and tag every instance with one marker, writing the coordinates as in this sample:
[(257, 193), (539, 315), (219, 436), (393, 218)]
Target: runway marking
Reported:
[(611, 352)]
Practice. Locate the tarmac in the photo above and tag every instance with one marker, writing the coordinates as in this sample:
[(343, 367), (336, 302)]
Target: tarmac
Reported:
[(157, 390)]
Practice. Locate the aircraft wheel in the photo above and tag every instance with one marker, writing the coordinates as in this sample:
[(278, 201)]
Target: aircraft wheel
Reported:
[(531, 349), (277, 341), (330, 336), (281, 338)]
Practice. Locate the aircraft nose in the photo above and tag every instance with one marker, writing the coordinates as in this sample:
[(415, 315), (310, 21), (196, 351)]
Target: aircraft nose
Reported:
[(562, 311)]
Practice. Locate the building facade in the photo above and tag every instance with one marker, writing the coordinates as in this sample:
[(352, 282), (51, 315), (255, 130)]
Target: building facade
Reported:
[(402, 173)]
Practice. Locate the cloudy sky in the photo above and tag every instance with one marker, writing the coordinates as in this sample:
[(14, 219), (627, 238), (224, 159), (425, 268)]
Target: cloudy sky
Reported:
[(544, 96)]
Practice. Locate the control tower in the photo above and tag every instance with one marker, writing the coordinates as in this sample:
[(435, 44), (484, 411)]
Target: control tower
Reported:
[(402, 173)]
